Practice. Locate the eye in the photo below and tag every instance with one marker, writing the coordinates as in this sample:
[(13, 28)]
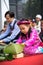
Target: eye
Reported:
[(23, 28)]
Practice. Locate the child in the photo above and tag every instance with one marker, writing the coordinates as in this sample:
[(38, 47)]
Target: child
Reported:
[(29, 37), (32, 22), (38, 23), (41, 33)]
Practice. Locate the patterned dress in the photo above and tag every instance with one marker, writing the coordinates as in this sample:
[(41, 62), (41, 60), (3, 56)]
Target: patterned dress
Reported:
[(31, 43)]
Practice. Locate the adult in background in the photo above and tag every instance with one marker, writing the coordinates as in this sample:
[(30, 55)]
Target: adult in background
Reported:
[(38, 23), (12, 30)]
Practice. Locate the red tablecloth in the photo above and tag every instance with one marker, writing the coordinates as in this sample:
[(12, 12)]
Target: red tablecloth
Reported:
[(30, 60)]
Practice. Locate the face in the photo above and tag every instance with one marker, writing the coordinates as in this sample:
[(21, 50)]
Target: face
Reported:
[(37, 19), (24, 28), (8, 18)]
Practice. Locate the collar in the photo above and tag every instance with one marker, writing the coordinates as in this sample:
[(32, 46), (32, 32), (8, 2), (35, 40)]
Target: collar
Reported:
[(13, 22)]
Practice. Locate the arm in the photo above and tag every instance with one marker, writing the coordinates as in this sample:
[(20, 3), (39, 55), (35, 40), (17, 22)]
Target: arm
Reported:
[(19, 41), (15, 32), (5, 34), (32, 39)]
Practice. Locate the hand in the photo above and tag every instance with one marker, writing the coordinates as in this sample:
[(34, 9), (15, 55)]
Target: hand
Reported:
[(17, 43), (23, 44), (1, 41)]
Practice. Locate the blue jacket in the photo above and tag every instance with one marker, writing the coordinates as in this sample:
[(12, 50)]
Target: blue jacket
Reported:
[(5, 36)]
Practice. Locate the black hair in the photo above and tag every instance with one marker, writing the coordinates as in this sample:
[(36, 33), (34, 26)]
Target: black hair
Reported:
[(11, 14), (23, 35)]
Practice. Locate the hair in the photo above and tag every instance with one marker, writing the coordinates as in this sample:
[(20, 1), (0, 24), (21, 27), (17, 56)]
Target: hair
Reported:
[(11, 14), (23, 21), (23, 35)]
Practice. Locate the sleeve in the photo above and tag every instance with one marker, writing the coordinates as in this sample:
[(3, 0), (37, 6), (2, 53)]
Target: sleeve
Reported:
[(15, 32), (5, 34), (32, 39), (19, 40)]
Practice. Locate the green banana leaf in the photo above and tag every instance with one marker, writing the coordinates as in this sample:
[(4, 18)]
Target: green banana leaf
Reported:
[(2, 58), (13, 48)]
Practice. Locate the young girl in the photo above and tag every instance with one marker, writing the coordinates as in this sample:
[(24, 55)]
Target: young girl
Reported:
[(29, 37)]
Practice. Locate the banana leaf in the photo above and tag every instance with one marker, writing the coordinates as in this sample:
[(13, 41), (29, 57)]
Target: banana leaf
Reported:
[(13, 48), (2, 58), (1, 48)]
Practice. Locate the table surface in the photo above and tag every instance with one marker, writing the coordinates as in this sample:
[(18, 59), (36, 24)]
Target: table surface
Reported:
[(29, 60)]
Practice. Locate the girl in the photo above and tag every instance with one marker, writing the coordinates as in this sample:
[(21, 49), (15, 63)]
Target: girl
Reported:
[(29, 37)]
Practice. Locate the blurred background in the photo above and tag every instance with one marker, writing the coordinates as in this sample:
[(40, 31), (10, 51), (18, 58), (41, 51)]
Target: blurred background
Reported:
[(21, 8)]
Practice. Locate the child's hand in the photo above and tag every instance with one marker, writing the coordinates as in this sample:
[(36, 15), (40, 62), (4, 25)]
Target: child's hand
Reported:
[(23, 44), (17, 43)]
